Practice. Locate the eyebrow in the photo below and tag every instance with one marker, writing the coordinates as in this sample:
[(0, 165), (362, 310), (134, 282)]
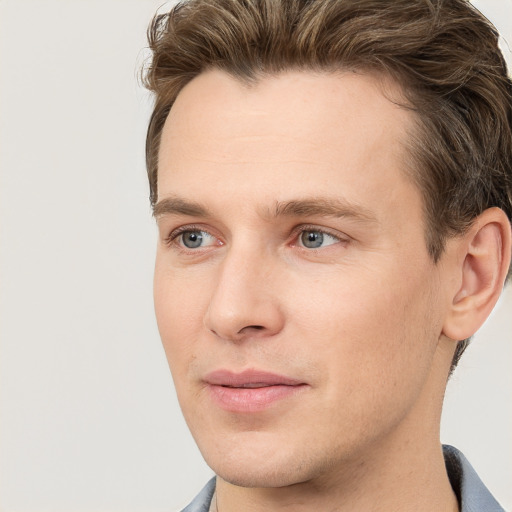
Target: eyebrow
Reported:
[(324, 207), (178, 206), (316, 206)]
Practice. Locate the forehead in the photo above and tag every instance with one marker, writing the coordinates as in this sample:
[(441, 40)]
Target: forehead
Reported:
[(277, 139), (314, 102)]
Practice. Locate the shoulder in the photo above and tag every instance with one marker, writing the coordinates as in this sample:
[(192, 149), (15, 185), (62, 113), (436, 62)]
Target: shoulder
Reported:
[(201, 503), (473, 495)]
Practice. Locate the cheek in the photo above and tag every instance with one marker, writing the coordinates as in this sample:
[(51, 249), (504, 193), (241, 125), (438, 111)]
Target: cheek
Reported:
[(373, 351), (180, 306), (370, 329)]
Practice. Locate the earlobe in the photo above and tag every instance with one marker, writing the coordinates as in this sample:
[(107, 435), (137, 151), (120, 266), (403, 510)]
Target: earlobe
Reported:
[(484, 265)]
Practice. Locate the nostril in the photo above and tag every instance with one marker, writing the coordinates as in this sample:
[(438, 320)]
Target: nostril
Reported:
[(250, 328)]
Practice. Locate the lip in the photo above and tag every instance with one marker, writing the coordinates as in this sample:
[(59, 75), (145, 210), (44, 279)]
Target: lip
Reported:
[(251, 390)]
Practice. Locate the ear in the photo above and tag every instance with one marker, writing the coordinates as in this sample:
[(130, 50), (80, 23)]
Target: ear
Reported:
[(483, 265)]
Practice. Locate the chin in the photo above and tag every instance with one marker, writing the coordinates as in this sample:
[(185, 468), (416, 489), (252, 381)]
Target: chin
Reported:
[(256, 468), (257, 477)]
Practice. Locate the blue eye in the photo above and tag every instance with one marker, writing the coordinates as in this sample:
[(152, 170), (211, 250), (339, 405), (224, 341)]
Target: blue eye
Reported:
[(314, 239), (195, 238)]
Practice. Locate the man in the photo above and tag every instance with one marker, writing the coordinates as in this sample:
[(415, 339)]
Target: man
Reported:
[(333, 189)]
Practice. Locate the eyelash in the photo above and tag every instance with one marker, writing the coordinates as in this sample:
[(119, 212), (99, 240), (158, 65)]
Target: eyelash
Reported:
[(296, 232), (305, 228), (173, 235)]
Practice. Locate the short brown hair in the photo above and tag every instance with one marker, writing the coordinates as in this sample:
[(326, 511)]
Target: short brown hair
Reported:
[(443, 53)]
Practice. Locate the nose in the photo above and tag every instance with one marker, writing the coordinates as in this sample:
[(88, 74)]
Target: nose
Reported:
[(245, 301)]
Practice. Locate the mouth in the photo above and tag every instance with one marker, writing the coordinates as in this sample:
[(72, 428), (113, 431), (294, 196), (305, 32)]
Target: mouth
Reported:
[(250, 391), (251, 385)]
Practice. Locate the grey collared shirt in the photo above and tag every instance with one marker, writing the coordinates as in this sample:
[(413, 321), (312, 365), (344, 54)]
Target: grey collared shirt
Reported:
[(472, 494)]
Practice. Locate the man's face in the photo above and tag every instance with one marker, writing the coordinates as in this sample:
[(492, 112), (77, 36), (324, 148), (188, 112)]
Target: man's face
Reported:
[(297, 304)]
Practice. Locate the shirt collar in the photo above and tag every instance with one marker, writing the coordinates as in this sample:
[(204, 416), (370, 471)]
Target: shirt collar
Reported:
[(472, 494)]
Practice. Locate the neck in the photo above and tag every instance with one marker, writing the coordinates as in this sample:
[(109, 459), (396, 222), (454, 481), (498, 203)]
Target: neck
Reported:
[(410, 478)]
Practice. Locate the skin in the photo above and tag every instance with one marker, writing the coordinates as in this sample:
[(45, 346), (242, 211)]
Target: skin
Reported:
[(362, 320)]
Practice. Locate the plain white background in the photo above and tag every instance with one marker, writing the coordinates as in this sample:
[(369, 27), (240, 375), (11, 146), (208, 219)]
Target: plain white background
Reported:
[(89, 421)]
